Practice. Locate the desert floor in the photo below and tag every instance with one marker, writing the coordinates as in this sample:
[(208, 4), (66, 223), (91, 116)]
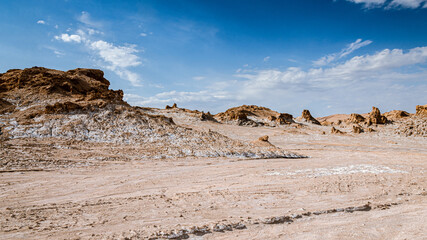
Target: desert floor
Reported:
[(150, 197)]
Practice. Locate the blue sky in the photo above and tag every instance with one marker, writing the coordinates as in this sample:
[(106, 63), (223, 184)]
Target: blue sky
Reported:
[(328, 56)]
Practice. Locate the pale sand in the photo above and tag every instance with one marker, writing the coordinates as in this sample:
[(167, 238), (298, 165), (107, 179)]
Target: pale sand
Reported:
[(139, 198)]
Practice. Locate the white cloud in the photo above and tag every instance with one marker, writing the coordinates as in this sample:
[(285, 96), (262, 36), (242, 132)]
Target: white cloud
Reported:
[(115, 58), (369, 3), (406, 3), (143, 34), (266, 59), (69, 38), (386, 78), (392, 4), (356, 69), (118, 57), (41, 22), (344, 52)]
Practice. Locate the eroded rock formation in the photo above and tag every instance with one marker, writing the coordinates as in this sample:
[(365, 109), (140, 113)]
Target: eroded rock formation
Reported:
[(306, 117)]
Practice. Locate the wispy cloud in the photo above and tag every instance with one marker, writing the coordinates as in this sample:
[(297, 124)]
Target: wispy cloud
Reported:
[(266, 59), (381, 78), (369, 3), (344, 52), (55, 51), (86, 19), (407, 3), (393, 4), (118, 59), (41, 22)]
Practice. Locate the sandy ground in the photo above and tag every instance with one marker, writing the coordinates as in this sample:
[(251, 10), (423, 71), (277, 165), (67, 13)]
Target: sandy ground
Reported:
[(139, 199)]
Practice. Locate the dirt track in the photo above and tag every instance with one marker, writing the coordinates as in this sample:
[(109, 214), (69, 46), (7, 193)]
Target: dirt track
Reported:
[(148, 198)]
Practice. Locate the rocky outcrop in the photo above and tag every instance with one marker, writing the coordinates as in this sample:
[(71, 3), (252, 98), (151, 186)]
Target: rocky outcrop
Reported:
[(86, 84), (355, 118), (263, 138), (262, 142), (335, 119), (173, 106), (396, 115), (421, 111), (357, 129), (253, 115), (375, 117), (416, 127), (306, 117), (285, 118)]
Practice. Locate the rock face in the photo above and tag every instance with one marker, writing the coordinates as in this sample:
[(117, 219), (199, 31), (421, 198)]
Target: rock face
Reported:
[(306, 116), (375, 117), (252, 115), (88, 84), (77, 106), (421, 111), (356, 118), (396, 115), (357, 129), (6, 106)]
